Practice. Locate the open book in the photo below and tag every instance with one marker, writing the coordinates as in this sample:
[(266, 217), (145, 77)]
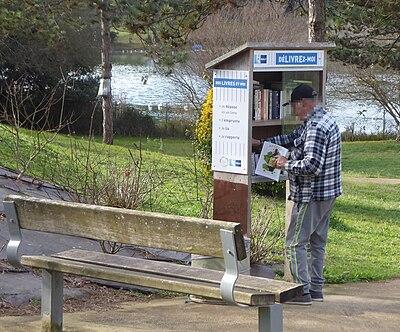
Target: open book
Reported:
[(266, 163)]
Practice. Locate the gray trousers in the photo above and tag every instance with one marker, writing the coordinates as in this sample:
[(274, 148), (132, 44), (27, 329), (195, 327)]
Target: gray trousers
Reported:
[(306, 241)]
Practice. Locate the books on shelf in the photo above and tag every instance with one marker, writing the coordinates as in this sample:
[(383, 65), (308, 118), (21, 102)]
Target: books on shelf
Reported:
[(265, 165), (267, 104)]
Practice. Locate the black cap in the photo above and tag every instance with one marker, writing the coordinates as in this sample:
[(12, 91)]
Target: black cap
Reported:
[(300, 92)]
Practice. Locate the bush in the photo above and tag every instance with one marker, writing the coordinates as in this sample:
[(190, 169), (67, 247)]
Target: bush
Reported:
[(351, 136), (203, 131), (174, 128), (266, 237), (131, 122), (81, 107), (270, 189), (203, 143)]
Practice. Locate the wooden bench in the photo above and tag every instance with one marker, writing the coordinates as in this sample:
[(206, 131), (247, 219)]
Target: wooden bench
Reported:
[(192, 235)]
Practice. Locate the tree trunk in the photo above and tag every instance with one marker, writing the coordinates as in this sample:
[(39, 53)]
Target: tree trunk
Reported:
[(106, 73), (316, 21)]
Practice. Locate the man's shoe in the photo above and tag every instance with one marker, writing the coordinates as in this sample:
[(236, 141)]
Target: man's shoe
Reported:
[(317, 296), (304, 299)]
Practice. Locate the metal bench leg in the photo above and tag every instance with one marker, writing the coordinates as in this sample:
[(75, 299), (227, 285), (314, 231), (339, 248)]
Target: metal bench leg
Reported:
[(270, 319), (52, 301)]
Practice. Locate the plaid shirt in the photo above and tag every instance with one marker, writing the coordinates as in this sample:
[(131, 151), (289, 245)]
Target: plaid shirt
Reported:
[(314, 164)]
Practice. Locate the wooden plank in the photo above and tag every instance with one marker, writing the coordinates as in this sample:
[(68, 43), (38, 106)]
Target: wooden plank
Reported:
[(148, 229), (170, 283), (283, 291), (231, 202)]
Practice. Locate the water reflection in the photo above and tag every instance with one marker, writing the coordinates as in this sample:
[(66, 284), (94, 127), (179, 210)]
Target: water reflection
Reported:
[(135, 81)]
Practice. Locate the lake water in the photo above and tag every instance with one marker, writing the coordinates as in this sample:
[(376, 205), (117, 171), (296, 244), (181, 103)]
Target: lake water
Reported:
[(135, 81)]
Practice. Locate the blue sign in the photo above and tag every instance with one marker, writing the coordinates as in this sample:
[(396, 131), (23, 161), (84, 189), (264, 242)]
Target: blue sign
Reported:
[(230, 83), (296, 58)]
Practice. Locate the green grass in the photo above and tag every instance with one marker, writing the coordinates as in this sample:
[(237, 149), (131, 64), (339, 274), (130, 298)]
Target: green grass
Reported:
[(63, 162), (372, 158), (126, 38), (169, 146), (364, 237)]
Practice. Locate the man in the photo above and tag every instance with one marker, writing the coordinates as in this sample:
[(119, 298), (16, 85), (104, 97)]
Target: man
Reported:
[(313, 169)]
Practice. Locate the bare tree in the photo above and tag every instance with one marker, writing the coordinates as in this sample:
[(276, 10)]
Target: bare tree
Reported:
[(383, 89), (373, 85), (230, 28)]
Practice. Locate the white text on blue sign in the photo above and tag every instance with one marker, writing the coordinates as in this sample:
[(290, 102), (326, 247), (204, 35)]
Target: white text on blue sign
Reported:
[(230, 83), (296, 58)]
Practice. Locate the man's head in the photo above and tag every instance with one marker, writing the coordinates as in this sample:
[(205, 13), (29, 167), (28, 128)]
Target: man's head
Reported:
[(303, 100)]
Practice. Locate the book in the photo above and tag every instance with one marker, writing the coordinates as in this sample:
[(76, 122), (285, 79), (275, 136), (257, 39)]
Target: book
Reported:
[(266, 162), (275, 105)]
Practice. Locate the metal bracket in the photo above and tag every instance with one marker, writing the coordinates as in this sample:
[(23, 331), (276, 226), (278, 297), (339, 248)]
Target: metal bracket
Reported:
[(15, 234), (231, 266)]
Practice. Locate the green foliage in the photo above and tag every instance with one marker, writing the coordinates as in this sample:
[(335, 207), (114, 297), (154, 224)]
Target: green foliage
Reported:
[(130, 122), (364, 236), (366, 32), (164, 25), (44, 40), (271, 189), (203, 131), (350, 136), (45, 45)]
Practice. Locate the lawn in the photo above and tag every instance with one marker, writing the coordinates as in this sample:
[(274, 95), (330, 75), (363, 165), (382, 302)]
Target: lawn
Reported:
[(364, 238), (372, 159)]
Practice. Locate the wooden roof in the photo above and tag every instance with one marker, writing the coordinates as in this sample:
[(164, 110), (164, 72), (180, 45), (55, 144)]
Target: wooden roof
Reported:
[(268, 46)]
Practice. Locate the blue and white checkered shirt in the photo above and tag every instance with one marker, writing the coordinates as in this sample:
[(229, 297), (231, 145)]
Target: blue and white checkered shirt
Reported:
[(314, 164)]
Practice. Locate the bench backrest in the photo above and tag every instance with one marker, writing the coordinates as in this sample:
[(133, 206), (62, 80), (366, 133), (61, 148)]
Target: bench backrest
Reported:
[(148, 229)]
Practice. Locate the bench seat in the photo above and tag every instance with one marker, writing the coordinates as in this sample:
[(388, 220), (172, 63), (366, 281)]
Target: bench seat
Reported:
[(251, 291)]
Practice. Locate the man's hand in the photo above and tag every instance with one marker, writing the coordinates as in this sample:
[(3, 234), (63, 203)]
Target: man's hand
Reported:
[(255, 143), (280, 162)]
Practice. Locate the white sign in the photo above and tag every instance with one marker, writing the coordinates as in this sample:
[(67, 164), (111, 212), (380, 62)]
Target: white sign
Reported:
[(230, 121), (288, 60)]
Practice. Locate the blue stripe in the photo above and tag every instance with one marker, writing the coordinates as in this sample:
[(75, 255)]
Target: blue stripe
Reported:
[(296, 58), (230, 83)]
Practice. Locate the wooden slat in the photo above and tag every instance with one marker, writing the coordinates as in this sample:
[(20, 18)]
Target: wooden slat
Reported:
[(283, 291), (148, 229), (170, 283)]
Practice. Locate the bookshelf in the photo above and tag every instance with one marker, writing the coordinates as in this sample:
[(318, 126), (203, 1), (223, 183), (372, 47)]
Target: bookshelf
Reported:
[(266, 123), (271, 70), (282, 83)]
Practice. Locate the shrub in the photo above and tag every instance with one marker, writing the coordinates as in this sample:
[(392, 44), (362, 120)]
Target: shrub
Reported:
[(271, 189), (266, 237), (351, 136), (203, 131), (174, 128), (131, 122)]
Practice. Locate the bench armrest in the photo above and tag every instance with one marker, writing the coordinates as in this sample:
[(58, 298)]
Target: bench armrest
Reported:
[(231, 274), (13, 245)]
